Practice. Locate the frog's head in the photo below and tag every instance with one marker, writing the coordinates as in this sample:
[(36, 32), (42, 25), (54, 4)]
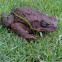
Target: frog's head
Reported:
[(45, 24)]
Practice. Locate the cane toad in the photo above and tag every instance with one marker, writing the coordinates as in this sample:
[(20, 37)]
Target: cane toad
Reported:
[(38, 21)]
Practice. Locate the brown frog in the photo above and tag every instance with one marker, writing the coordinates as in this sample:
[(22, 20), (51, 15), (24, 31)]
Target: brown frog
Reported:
[(38, 20)]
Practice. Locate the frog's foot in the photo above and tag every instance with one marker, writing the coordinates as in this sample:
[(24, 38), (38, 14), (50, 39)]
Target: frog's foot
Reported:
[(7, 20), (22, 30)]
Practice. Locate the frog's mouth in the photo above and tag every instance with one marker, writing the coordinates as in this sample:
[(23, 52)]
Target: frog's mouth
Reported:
[(46, 29)]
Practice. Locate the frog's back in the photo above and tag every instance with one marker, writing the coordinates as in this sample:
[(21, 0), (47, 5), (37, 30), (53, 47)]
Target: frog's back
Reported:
[(28, 13)]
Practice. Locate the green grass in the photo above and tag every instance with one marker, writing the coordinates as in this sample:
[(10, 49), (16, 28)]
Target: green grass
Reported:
[(47, 49)]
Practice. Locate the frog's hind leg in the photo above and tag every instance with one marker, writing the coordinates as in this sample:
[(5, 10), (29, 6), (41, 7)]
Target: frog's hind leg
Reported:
[(21, 31), (7, 20)]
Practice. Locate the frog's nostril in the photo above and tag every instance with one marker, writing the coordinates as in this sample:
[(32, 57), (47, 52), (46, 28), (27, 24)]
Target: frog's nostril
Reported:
[(43, 24)]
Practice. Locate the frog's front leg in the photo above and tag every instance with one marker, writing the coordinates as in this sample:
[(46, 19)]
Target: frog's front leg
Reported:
[(7, 20), (21, 30)]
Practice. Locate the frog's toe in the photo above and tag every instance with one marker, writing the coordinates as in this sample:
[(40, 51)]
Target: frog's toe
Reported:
[(4, 19), (30, 36)]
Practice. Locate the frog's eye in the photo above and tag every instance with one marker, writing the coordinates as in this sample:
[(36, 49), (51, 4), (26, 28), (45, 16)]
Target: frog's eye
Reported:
[(43, 24)]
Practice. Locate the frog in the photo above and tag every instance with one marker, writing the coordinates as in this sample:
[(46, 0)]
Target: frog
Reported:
[(38, 20)]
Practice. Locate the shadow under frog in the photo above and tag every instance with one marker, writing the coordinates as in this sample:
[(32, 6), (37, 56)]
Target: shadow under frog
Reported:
[(38, 20)]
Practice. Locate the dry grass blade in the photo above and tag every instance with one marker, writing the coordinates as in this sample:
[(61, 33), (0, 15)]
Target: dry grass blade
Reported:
[(24, 20)]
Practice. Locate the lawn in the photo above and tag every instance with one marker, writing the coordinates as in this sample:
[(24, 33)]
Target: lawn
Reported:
[(48, 48)]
